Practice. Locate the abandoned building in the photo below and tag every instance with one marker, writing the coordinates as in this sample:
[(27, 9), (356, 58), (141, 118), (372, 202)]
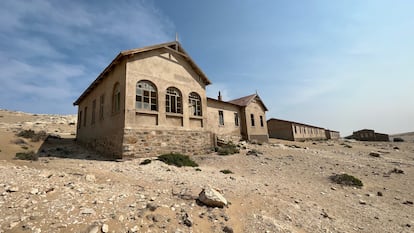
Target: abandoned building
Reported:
[(243, 118), (152, 100), (331, 134), (369, 135), (294, 131)]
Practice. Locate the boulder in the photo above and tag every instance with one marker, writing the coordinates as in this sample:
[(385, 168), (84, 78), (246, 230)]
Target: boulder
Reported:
[(375, 154), (212, 197)]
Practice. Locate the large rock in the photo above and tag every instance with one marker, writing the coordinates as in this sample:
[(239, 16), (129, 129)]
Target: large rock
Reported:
[(212, 197)]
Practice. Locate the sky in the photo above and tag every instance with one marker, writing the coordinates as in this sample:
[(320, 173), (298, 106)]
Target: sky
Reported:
[(342, 65)]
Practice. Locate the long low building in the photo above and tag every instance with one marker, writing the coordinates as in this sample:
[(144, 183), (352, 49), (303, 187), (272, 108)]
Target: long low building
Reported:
[(295, 131), (369, 135)]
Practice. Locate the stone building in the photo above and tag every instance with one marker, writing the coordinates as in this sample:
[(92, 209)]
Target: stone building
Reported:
[(243, 118), (152, 100), (330, 134), (294, 131), (369, 135)]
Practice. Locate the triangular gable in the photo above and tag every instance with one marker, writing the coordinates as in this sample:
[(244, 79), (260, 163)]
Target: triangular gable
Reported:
[(174, 47), (244, 101)]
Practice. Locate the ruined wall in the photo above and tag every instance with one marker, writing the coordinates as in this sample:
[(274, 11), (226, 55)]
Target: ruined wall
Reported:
[(257, 132), (149, 143), (280, 129), (103, 132), (229, 131), (334, 135), (306, 132)]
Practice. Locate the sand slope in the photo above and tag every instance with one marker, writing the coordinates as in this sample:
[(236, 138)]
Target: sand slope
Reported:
[(285, 189)]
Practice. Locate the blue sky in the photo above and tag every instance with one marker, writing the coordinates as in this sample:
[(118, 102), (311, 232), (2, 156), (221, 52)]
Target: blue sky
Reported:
[(343, 65)]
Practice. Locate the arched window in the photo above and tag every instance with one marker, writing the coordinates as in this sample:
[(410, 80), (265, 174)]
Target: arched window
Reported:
[(173, 100), (116, 98), (195, 104), (146, 96)]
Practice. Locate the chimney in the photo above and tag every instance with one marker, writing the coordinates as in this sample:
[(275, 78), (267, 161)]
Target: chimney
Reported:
[(219, 97)]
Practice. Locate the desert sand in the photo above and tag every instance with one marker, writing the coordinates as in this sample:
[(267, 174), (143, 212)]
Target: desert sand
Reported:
[(285, 188)]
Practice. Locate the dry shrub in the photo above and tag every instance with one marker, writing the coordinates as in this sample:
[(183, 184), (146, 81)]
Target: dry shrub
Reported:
[(345, 179)]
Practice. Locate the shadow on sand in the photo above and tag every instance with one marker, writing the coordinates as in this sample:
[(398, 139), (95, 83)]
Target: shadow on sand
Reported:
[(67, 148)]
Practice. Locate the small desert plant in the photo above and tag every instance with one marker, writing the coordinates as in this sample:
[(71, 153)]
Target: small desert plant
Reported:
[(227, 149), (31, 134), (27, 156), (345, 179), (177, 159), (145, 162), (198, 170), (254, 152), (397, 171), (226, 171)]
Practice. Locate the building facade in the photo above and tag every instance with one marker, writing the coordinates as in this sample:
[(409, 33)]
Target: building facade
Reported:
[(150, 101), (243, 118), (294, 131), (330, 134), (369, 135)]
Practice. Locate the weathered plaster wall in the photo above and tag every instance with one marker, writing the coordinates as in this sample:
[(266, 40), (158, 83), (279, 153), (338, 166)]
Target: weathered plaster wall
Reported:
[(164, 69), (280, 130), (304, 132), (229, 131), (256, 132), (105, 134)]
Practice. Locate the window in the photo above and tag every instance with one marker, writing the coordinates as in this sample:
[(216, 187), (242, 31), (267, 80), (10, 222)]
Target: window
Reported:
[(252, 119), (93, 111), (84, 119), (221, 117), (101, 106), (80, 119), (195, 104), (116, 98), (296, 129), (236, 119), (261, 121), (173, 101), (146, 96)]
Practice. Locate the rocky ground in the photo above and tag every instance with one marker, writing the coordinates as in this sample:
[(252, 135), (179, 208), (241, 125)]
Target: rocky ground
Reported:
[(283, 188)]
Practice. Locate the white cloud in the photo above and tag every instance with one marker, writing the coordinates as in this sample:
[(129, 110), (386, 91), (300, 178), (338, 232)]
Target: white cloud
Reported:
[(50, 51)]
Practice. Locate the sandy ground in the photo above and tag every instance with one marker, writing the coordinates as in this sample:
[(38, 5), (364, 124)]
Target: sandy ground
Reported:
[(285, 189)]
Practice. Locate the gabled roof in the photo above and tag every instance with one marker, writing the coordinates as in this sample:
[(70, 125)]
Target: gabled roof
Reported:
[(174, 47), (220, 101), (244, 101)]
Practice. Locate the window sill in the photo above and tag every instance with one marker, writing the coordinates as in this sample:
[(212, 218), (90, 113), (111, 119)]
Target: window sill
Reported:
[(170, 114), (196, 117), (147, 112)]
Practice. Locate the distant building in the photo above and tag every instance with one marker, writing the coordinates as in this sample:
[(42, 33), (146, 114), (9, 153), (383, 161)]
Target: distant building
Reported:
[(294, 131), (369, 135), (330, 134)]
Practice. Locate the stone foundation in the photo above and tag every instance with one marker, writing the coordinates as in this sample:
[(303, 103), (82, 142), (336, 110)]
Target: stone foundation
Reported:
[(140, 143), (227, 138), (109, 146)]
